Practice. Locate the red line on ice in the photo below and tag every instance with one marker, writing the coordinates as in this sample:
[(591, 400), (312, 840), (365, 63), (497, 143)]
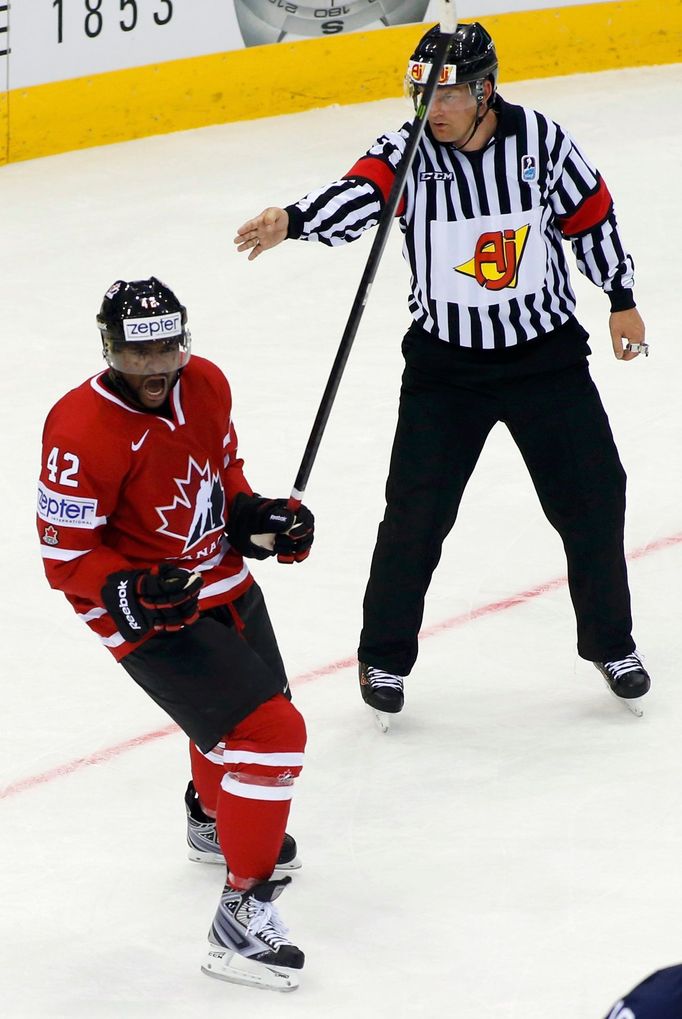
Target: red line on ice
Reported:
[(520, 598)]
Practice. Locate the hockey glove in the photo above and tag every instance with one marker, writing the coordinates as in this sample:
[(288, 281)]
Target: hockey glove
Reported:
[(162, 598), (294, 545), (251, 516)]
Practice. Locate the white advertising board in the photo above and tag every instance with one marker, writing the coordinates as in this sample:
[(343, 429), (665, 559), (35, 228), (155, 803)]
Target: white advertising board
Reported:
[(54, 40), (4, 43)]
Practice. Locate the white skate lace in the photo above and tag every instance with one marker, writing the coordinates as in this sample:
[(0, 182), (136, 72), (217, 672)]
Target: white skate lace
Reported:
[(624, 665), (377, 677), (266, 923)]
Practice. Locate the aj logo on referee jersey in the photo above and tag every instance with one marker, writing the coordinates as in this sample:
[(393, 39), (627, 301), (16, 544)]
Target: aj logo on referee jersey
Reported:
[(497, 258)]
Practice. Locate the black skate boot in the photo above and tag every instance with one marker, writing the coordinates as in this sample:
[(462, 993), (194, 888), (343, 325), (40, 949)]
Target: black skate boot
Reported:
[(202, 838), (248, 942), (382, 691), (627, 679)]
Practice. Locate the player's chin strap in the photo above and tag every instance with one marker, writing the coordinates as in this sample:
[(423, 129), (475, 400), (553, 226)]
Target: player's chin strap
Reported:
[(480, 117)]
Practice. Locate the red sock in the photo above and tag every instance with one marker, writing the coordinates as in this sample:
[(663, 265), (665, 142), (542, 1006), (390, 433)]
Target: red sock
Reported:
[(207, 773), (263, 756)]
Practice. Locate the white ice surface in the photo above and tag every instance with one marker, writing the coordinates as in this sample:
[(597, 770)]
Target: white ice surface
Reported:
[(512, 849)]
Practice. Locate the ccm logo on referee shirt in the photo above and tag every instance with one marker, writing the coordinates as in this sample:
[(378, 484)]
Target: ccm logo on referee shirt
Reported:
[(436, 175), (65, 511)]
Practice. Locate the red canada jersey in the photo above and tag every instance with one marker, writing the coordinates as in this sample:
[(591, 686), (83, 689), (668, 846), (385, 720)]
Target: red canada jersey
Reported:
[(124, 489)]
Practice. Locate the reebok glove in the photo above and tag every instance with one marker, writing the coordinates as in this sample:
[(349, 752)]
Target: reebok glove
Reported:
[(164, 597), (252, 515), (294, 545)]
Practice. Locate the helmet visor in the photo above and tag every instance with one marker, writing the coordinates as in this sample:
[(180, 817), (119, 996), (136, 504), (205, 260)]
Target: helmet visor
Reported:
[(148, 357)]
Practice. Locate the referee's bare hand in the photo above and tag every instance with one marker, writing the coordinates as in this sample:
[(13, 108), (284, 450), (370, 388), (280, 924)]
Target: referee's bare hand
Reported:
[(626, 327), (265, 231)]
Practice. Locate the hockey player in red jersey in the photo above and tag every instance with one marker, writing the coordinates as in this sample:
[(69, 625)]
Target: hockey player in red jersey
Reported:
[(145, 517)]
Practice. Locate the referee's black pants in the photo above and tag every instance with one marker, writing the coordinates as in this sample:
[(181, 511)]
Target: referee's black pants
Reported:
[(557, 420)]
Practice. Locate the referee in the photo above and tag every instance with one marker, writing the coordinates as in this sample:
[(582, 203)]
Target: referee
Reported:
[(493, 192)]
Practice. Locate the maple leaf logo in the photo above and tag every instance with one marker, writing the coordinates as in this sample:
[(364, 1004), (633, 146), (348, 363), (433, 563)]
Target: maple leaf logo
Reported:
[(51, 536), (199, 508)]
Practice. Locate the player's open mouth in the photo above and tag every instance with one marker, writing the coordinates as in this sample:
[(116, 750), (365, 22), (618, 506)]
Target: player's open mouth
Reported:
[(154, 387)]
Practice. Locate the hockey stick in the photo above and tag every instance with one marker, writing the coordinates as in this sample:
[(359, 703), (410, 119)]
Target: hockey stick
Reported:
[(448, 24)]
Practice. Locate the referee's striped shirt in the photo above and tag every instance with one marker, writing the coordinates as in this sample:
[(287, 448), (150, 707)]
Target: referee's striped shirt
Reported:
[(483, 231)]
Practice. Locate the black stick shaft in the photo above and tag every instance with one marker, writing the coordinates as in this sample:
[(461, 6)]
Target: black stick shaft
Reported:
[(377, 250)]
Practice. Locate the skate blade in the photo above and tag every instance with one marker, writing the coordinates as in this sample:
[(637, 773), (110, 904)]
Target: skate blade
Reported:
[(290, 865), (382, 719), (633, 704), (199, 856), (224, 964)]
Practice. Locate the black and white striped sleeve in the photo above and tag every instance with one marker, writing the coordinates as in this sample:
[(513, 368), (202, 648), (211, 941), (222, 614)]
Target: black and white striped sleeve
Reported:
[(341, 211), (585, 215)]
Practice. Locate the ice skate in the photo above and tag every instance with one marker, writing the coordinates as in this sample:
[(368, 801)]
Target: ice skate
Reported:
[(382, 692), (628, 681), (248, 942), (202, 838)]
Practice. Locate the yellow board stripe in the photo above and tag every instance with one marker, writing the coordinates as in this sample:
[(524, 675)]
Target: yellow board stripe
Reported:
[(264, 81)]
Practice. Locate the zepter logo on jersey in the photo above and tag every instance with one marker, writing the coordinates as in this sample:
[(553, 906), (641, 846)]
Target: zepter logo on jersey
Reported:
[(268, 21)]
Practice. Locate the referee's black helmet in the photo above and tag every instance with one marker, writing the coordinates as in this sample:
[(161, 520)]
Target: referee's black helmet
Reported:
[(470, 57)]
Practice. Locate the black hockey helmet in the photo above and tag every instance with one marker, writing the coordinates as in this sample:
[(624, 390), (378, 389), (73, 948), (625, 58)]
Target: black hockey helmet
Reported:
[(142, 317), (471, 57)]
